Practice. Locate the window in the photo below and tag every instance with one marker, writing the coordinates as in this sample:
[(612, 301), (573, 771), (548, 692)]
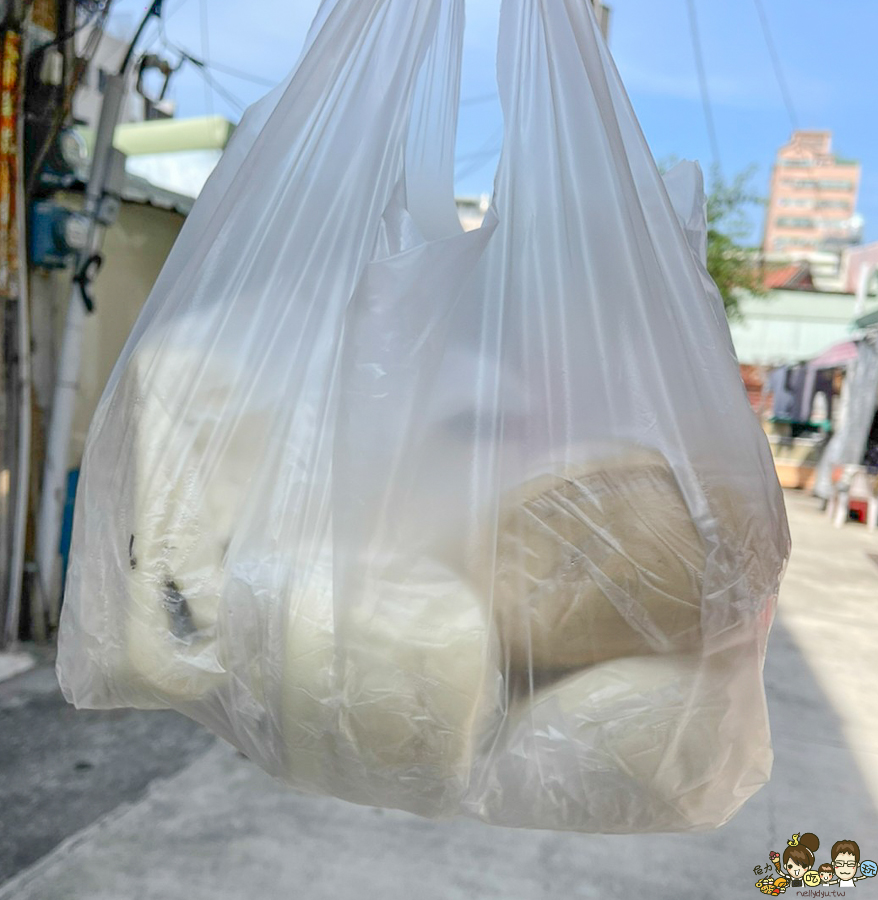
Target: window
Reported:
[(834, 204), (811, 184), (790, 163), (793, 222), (781, 243), (102, 80)]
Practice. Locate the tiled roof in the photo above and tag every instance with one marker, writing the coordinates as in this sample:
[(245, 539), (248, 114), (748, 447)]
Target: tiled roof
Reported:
[(794, 277)]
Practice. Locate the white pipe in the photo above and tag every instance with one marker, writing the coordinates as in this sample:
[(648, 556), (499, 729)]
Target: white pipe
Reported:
[(54, 484), (53, 494), (865, 276)]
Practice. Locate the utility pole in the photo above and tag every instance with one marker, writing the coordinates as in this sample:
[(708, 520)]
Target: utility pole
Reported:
[(15, 422), (99, 210)]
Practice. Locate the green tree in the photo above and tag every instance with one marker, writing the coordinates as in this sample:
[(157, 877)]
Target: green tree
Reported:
[(730, 262)]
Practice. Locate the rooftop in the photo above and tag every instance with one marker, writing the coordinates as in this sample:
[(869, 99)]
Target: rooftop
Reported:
[(793, 277)]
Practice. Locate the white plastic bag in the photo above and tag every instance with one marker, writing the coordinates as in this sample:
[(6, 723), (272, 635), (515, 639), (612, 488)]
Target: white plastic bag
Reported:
[(451, 522)]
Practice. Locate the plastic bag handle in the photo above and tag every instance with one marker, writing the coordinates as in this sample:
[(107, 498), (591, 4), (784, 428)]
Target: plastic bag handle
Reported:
[(430, 143)]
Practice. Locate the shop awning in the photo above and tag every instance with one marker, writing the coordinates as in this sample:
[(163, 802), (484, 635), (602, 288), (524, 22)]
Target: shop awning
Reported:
[(837, 355), (168, 135)]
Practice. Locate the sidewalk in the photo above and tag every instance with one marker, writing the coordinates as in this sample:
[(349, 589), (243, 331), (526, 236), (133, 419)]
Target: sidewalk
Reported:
[(220, 829), (14, 662)]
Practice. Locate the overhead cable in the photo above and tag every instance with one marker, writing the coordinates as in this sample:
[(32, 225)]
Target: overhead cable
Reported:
[(205, 52), (202, 68), (778, 69), (702, 84)]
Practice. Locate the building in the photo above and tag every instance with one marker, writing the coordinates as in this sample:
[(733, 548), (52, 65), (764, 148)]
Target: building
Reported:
[(107, 59), (786, 330), (811, 338), (471, 211), (134, 249), (173, 154), (602, 14), (813, 199), (789, 326), (858, 269)]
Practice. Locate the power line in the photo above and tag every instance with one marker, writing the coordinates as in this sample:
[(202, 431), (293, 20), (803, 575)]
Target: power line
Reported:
[(702, 84), (65, 36), (480, 157), (240, 73), (476, 164), (775, 61), (201, 67), (230, 98), (176, 9), (481, 98), (490, 141), (218, 67), (84, 60), (205, 51)]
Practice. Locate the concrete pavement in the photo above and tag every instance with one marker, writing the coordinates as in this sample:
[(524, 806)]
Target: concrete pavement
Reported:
[(221, 829), (13, 663), (61, 769)]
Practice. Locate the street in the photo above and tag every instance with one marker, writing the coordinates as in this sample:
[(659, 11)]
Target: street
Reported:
[(147, 806)]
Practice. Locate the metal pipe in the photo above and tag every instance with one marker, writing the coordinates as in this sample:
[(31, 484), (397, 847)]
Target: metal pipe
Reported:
[(54, 485), (154, 10), (52, 496)]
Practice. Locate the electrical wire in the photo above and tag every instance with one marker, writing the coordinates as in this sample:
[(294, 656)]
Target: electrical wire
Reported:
[(205, 52), (215, 66), (480, 98), (239, 73), (702, 84), (229, 97), (476, 164), (479, 158), (175, 10), (489, 142), (212, 64), (775, 62), (64, 108), (202, 68), (65, 36), (164, 18)]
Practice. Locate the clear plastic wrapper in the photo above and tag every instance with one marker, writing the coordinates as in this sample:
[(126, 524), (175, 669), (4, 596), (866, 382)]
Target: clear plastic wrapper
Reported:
[(456, 523)]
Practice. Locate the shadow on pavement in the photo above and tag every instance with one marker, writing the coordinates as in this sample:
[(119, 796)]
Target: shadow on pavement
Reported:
[(222, 829)]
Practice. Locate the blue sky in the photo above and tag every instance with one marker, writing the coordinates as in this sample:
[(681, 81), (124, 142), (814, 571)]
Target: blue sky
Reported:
[(826, 51)]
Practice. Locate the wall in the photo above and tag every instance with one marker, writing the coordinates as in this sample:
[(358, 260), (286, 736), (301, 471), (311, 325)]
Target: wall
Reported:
[(135, 250), (790, 326), (813, 196)]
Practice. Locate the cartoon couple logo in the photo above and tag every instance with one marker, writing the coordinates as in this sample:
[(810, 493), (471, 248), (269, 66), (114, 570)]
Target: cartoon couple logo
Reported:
[(796, 868)]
